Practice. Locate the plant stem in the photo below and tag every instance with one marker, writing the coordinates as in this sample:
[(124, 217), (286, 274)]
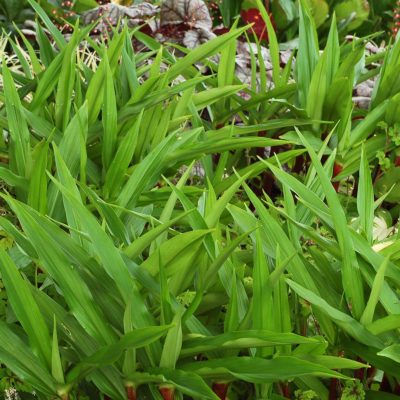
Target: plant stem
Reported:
[(286, 390), (167, 392), (337, 169), (333, 393), (131, 392), (220, 389)]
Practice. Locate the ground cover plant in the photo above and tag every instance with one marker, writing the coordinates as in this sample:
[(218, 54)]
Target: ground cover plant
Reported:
[(171, 232)]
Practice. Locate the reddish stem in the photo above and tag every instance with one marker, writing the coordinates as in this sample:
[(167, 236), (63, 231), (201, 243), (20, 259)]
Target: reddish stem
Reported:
[(167, 392), (337, 169), (131, 392), (397, 390), (220, 389), (370, 376), (333, 392), (385, 385), (286, 391), (359, 373)]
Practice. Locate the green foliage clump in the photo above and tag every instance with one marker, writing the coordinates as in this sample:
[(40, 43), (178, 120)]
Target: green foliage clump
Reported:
[(353, 390)]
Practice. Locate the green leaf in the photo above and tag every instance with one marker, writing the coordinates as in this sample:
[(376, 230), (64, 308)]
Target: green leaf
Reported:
[(110, 257), (95, 91), (109, 117), (147, 172), (48, 81), (354, 12), (138, 245), (60, 268), (20, 359), (258, 370), (392, 352), (34, 61), (19, 238), (257, 168), (368, 314), (370, 355), (393, 110), (20, 162), (226, 68), (262, 291), (69, 148), (46, 50), (351, 274), (12, 179), (208, 97), (365, 198), (274, 237), (114, 223), (21, 58), (213, 269), (367, 126), (307, 56), (322, 76), (188, 383), (173, 342), (333, 362), (170, 205), (219, 146), (200, 53), (37, 195), (56, 364), (347, 323), (123, 157), (55, 32), (389, 182), (102, 244), (213, 217), (66, 82), (385, 324), (26, 309), (273, 44), (178, 256), (110, 354), (241, 340), (68, 183), (232, 319)]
